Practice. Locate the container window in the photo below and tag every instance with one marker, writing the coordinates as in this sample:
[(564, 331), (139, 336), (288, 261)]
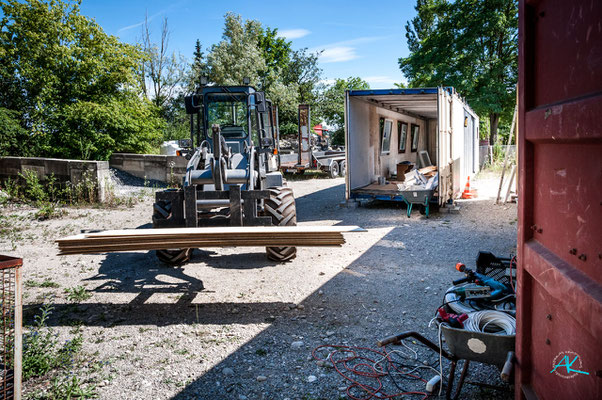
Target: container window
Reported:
[(386, 136), (415, 137), (402, 132)]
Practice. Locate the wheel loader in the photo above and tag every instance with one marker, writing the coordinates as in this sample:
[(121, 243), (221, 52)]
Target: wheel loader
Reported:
[(233, 173)]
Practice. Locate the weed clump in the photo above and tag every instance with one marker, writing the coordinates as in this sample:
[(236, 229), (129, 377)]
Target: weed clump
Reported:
[(77, 294), (42, 351), (53, 363)]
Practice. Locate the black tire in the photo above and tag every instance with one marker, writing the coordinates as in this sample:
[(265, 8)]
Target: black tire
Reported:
[(281, 207), (172, 257), (333, 172), (161, 210), (343, 168)]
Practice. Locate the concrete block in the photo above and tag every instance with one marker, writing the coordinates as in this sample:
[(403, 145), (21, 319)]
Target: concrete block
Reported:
[(34, 161), (351, 204), (10, 162), (116, 160), (158, 173), (57, 167), (39, 170), (133, 165)]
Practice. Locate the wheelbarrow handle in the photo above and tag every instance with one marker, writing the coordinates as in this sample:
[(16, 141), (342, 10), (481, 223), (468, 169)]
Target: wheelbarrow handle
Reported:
[(398, 338), (508, 367), (391, 339)]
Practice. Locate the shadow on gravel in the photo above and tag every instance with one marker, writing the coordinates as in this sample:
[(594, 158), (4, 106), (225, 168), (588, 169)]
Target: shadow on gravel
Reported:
[(327, 204), (143, 275), (157, 314), (252, 260)]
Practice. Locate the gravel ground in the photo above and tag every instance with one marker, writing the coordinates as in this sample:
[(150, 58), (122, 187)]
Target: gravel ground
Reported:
[(232, 325)]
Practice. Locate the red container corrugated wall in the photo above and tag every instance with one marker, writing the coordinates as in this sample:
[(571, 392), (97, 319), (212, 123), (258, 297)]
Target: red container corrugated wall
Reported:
[(560, 200)]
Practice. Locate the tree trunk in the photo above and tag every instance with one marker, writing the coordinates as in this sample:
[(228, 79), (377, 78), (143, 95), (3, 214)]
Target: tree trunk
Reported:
[(494, 121)]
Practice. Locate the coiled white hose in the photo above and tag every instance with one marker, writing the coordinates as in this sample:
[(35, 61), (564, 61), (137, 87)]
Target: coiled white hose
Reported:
[(479, 321)]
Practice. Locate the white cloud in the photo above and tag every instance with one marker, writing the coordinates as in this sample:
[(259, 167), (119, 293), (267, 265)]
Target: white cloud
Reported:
[(148, 19), (360, 40), (127, 28), (378, 79), (338, 54), (381, 81), (343, 50), (293, 33)]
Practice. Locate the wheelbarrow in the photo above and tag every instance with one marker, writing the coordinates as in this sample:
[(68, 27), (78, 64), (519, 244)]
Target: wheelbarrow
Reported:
[(417, 196), (469, 346)]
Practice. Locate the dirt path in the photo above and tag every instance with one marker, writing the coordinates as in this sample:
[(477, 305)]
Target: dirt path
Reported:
[(215, 328)]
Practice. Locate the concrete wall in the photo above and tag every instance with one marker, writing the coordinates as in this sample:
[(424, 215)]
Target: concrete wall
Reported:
[(65, 171), (150, 166)]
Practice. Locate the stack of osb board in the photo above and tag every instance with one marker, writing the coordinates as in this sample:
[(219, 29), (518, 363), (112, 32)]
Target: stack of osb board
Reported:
[(162, 239)]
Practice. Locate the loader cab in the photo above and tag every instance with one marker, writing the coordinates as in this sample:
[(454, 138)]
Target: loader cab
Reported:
[(245, 116)]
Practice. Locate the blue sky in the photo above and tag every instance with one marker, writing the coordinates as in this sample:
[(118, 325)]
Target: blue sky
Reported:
[(359, 38)]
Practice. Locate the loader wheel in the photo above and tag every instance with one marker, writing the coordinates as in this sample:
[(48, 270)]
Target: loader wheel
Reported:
[(334, 170), (281, 207), (174, 257), (162, 210)]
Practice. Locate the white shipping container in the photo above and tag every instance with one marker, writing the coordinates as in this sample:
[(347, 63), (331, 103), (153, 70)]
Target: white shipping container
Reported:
[(389, 126)]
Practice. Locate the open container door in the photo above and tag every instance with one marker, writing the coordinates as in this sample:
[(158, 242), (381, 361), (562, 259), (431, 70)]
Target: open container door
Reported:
[(444, 158), (559, 313), (346, 119)]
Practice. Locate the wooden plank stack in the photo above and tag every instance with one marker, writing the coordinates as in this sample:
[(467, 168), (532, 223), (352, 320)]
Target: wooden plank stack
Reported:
[(180, 238)]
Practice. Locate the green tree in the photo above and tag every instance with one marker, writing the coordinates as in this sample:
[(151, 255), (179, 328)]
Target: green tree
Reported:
[(161, 73), (332, 105), (13, 137), (276, 50), (70, 86), (199, 68), (471, 45), (303, 70), (237, 55)]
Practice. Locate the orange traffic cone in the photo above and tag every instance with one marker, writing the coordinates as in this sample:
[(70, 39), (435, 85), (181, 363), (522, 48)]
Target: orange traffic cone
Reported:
[(467, 193)]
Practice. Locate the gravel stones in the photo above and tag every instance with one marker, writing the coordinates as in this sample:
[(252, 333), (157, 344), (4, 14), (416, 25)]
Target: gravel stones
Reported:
[(233, 317)]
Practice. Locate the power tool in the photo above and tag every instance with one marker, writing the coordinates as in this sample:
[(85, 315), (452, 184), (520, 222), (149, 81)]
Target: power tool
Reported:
[(454, 320), (492, 289)]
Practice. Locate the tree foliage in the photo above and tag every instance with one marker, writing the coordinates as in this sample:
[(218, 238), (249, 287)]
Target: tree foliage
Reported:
[(162, 73), (471, 45), (332, 104), (237, 55), (248, 49), (69, 87)]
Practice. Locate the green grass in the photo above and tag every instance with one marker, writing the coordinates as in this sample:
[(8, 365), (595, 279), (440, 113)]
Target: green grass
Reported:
[(51, 367), (47, 283), (77, 294), (42, 351)]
